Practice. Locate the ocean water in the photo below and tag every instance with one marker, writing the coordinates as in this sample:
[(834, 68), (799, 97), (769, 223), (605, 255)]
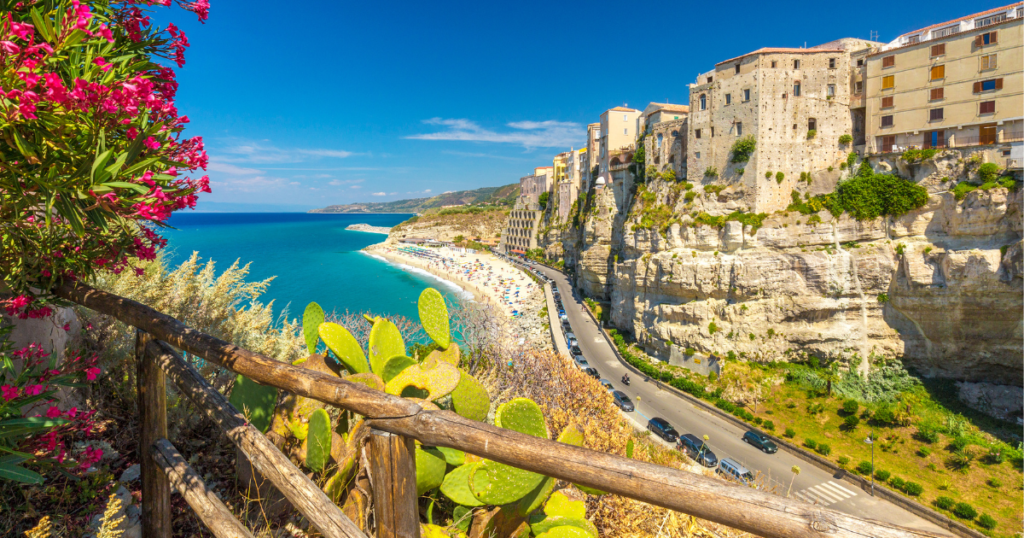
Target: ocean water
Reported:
[(312, 256)]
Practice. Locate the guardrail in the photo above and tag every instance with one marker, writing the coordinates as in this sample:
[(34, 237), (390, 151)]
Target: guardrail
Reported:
[(394, 422)]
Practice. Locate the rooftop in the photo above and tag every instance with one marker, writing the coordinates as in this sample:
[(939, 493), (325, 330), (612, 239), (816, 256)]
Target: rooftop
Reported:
[(992, 11), (668, 107), (622, 109), (772, 50)]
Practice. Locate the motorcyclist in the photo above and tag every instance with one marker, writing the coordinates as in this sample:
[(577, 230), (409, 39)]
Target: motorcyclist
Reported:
[(625, 378)]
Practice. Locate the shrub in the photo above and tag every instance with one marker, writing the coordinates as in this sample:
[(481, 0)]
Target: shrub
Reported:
[(743, 148), (810, 443), (811, 133), (883, 298), (543, 199), (843, 461), (913, 489), (758, 420), (711, 171), (725, 405), (851, 422), (712, 328), (790, 433), (988, 172), (851, 160), (961, 189), (926, 434), (768, 425), (868, 195), (768, 175), (994, 482), (882, 475), (689, 196), (896, 482), (960, 442), (845, 139), (824, 449), (850, 406), (924, 452), (779, 176), (918, 155), (944, 503), (864, 468), (842, 165), (987, 522), (964, 511), (740, 171), (901, 248)]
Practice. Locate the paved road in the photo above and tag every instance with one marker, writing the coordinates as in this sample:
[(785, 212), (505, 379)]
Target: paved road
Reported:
[(812, 484)]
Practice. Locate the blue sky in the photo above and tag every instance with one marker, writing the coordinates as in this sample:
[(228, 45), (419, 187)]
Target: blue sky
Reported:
[(342, 102)]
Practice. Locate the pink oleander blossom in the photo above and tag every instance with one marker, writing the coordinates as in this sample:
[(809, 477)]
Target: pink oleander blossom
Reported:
[(9, 393)]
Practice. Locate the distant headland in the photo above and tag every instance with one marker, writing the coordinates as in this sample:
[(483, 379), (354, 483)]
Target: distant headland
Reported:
[(367, 228)]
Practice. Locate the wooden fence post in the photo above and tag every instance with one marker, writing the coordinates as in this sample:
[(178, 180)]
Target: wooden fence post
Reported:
[(152, 395), (393, 476)]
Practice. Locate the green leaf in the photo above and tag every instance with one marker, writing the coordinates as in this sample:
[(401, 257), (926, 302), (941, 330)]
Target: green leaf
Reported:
[(99, 162), (26, 148), (257, 400), (19, 474), (141, 189), (394, 366), (344, 346), (456, 485), (30, 423), (470, 399), (434, 317), (318, 441), (385, 342), (430, 467), (41, 25), (522, 415), (311, 320)]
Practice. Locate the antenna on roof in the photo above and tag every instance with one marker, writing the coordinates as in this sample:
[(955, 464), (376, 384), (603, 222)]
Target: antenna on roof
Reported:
[(873, 35)]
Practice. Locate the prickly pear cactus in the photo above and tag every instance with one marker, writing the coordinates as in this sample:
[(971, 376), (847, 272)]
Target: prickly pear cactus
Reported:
[(452, 355), (254, 401), (318, 441), (453, 456), (522, 415), (368, 379), (434, 317), (394, 366), (567, 531), (437, 378), (385, 342), (311, 320), (430, 467), (496, 483), (344, 346), (470, 399), (456, 485)]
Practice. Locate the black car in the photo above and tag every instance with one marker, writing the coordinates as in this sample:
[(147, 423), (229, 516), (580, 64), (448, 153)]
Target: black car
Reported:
[(663, 429), (622, 401), (575, 350), (697, 449), (592, 372), (761, 441)]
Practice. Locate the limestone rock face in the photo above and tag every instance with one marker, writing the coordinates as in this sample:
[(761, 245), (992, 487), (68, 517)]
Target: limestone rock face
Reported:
[(940, 287)]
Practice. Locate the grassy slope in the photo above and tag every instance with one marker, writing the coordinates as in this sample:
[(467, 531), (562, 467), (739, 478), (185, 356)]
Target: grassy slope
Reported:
[(504, 195)]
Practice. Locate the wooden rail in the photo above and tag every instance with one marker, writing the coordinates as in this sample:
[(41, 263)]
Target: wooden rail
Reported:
[(715, 500)]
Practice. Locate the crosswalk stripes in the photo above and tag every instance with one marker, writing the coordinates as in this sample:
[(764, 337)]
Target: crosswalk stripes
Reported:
[(825, 493)]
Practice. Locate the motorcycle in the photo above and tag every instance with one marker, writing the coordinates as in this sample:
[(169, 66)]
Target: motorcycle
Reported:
[(625, 381)]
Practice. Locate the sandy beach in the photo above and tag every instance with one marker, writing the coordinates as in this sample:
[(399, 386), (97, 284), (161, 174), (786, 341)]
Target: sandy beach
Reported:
[(491, 280)]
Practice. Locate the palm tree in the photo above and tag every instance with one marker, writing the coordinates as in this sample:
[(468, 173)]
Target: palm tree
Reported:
[(796, 471)]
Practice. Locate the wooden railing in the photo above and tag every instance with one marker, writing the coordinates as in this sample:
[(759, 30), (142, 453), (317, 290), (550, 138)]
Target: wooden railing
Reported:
[(394, 423)]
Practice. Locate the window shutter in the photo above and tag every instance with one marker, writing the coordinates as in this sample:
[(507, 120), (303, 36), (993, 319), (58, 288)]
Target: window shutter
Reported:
[(999, 83), (993, 39), (992, 61), (978, 41), (977, 87)]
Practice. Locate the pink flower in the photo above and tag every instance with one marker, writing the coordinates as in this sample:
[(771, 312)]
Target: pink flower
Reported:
[(53, 412), (72, 412), (91, 373), (104, 66), (9, 392), (131, 133), (67, 326), (25, 31), (9, 47), (33, 390), (151, 143)]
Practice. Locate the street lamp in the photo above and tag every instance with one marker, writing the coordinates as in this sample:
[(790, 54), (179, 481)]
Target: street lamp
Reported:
[(871, 442)]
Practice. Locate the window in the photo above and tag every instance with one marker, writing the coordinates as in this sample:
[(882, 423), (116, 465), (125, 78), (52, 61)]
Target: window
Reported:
[(988, 85), (625, 130), (860, 62), (660, 136), (938, 50), (696, 133), (710, 79), (728, 98), (886, 143), (831, 90), (936, 94), (888, 82), (831, 63), (796, 64), (703, 102), (774, 64), (886, 121), (935, 114), (737, 69), (938, 72), (888, 61), (625, 117), (943, 32), (739, 128), (858, 87), (887, 102), (697, 154), (987, 107), (812, 124), (988, 62), (746, 95), (796, 89), (990, 38), (712, 132), (990, 20)]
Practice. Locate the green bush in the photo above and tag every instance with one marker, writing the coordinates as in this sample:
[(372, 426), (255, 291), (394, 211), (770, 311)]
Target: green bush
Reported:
[(689, 196), (691, 351), (740, 171), (883, 298), (768, 425), (779, 176), (960, 442), (961, 190), (918, 155), (851, 160), (844, 461), (988, 172), (964, 511), (790, 433), (881, 475), (712, 328), (743, 148), (870, 196), (987, 522), (725, 405), (924, 452), (850, 406), (824, 449), (926, 434), (811, 133), (884, 415), (944, 503), (897, 482), (913, 489), (768, 175), (810, 443), (864, 468), (758, 420), (845, 139), (851, 422), (543, 199), (711, 171)]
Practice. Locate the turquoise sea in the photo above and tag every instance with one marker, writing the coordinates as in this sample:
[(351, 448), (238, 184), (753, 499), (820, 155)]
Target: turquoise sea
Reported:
[(312, 256)]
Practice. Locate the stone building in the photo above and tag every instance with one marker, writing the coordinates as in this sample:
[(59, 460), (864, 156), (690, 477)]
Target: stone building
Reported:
[(520, 232), (665, 127), (531, 187), (577, 166), (954, 84), (593, 155), (794, 102)]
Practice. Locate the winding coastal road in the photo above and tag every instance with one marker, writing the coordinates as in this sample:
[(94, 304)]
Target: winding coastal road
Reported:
[(813, 484)]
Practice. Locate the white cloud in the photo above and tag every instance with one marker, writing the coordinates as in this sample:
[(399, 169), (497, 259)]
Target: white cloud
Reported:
[(529, 134), (378, 194), (338, 154), (355, 187), (340, 182), (426, 191), (261, 152)]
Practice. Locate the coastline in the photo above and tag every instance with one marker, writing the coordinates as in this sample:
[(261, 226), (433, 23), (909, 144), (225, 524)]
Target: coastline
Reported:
[(361, 227)]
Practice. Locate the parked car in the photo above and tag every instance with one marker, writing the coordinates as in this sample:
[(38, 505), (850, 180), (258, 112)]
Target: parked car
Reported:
[(760, 441), (622, 401), (569, 336), (592, 372), (663, 429), (575, 349), (731, 468), (608, 385), (698, 450), (582, 363)]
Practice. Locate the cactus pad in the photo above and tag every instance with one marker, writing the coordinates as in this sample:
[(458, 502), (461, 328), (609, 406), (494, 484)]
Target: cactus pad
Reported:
[(536, 498), (629, 449), (318, 441), (434, 317), (496, 483), (425, 405), (344, 346), (559, 504), (452, 355), (566, 531), (394, 366), (385, 342), (551, 522), (522, 415), (368, 379), (453, 456), (456, 485), (571, 436), (438, 382), (430, 467), (437, 531), (255, 401), (470, 398), (311, 320)]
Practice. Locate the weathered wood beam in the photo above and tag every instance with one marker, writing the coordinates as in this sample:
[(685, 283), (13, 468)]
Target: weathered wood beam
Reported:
[(300, 491), (210, 509), (152, 401), (393, 478)]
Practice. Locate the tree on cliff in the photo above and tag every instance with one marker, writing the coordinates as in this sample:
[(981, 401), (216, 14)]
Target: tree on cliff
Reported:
[(543, 199)]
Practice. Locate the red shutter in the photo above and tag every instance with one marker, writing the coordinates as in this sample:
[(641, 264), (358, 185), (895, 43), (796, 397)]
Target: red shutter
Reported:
[(999, 83), (992, 40), (978, 41), (977, 87)]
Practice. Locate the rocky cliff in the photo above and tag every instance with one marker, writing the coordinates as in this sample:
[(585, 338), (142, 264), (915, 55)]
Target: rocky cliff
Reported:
[(940, 286)]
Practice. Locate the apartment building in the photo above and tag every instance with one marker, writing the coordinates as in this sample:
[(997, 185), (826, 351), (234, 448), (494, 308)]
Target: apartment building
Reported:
[(794, 102), (616, 144), (577, 167), (955, 84), (520, 232), (665, 127)]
